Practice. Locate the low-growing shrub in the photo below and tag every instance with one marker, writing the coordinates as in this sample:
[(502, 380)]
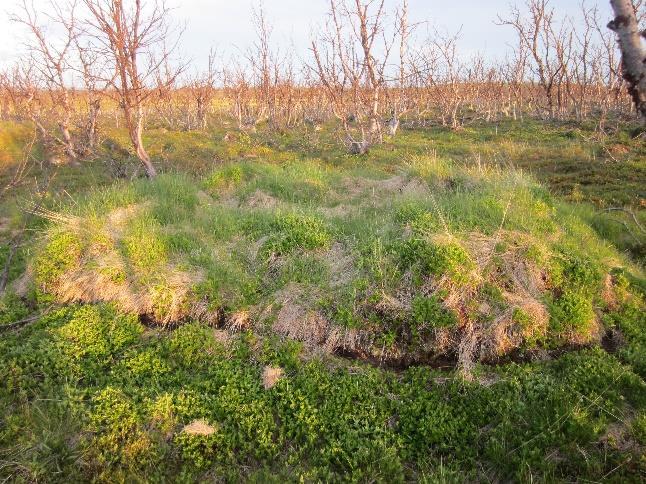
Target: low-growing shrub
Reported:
[(575, 274), (225, 177), (290, 232), (12, 308), (192, 344), (436, 259), (95, 334), (572, 312), (119, 438), (430, 311), (61, 253)]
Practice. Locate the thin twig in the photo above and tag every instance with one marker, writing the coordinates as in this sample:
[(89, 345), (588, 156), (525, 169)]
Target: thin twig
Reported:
[(23, 322), (628, 211)]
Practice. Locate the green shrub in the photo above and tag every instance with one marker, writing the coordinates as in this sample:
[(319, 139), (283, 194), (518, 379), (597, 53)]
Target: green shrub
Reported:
[(192, 344), (638, 429), (226, 177), (450, 259), (630, 319), (200, 450), (97, 333), (119, 438), (12, 309), (572, 311), (430, 311), (290, 232), (115, 274), (285, 354), (62, 253), (576, 274), (344, 315), (145, 365)]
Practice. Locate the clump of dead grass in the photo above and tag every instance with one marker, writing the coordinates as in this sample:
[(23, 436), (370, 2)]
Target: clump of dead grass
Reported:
[(271, 375), (199, 427), (102, 273), (262, 200)]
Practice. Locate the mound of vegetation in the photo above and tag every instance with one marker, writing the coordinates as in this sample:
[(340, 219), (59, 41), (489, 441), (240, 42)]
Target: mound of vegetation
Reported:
[(402, 264)]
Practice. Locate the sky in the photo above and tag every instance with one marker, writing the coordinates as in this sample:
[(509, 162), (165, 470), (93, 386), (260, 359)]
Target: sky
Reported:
[(226, 24)]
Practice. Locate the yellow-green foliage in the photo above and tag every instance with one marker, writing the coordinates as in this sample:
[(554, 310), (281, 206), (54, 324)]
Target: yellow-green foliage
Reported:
[(144, 245), (291, 231), (122, 413), (14, 138), (98, 333), (403, 256), (60, 254)]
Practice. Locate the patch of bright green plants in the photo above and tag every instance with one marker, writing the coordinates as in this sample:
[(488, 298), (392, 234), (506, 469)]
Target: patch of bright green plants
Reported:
[(88, 393), (289, 232), (430, 311), (435, 259)]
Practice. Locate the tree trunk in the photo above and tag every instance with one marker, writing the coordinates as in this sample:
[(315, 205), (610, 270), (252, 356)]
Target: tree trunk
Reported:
[(633, 53), (93, 116), (151, 172), (69, 143), (135, 130)]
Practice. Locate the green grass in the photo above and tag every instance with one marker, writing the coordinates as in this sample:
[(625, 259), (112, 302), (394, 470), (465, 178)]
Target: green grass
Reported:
[(405, 256)]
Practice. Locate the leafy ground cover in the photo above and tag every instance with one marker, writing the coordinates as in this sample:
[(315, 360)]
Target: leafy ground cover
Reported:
[(449, 307), (88, 391)]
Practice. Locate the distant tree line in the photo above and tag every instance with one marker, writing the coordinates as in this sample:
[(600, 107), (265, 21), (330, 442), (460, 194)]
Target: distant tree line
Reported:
[(368, 68)]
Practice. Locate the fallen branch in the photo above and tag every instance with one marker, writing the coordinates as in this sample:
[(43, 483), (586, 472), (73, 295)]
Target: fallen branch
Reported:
[(628, 211), (24, 322)]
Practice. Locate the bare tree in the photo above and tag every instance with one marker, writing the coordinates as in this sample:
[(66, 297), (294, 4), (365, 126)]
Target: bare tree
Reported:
[(633, 53), (536, 34), (351, 57), (202, 89), (50, 68), (133, 42), (90, 68)]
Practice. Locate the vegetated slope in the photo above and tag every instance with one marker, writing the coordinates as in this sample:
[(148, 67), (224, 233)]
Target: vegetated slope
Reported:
[(401, 263), (398, 261)]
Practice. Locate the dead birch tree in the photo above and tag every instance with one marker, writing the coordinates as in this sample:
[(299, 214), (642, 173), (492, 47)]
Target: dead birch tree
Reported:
[(132, 38), (633, 52), (536, 33), (350, 59), (50, 59), (202, 90)]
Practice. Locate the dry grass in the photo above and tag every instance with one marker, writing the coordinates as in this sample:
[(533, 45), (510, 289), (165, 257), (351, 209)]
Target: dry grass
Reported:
[(270, 376), (199, 427), (104, 274), (262, 200), (298, 321)]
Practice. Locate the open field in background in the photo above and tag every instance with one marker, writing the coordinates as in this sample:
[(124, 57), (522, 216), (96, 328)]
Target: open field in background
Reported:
[(454, 305)]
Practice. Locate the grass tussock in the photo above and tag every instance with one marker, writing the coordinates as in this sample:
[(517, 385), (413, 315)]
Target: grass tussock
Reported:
[(403, 263)]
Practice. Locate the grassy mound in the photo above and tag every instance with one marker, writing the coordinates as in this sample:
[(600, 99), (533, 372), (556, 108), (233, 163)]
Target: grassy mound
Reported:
[(402, 263)]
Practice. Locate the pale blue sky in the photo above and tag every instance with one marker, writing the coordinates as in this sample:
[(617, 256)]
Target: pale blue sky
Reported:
[(227, 23)]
